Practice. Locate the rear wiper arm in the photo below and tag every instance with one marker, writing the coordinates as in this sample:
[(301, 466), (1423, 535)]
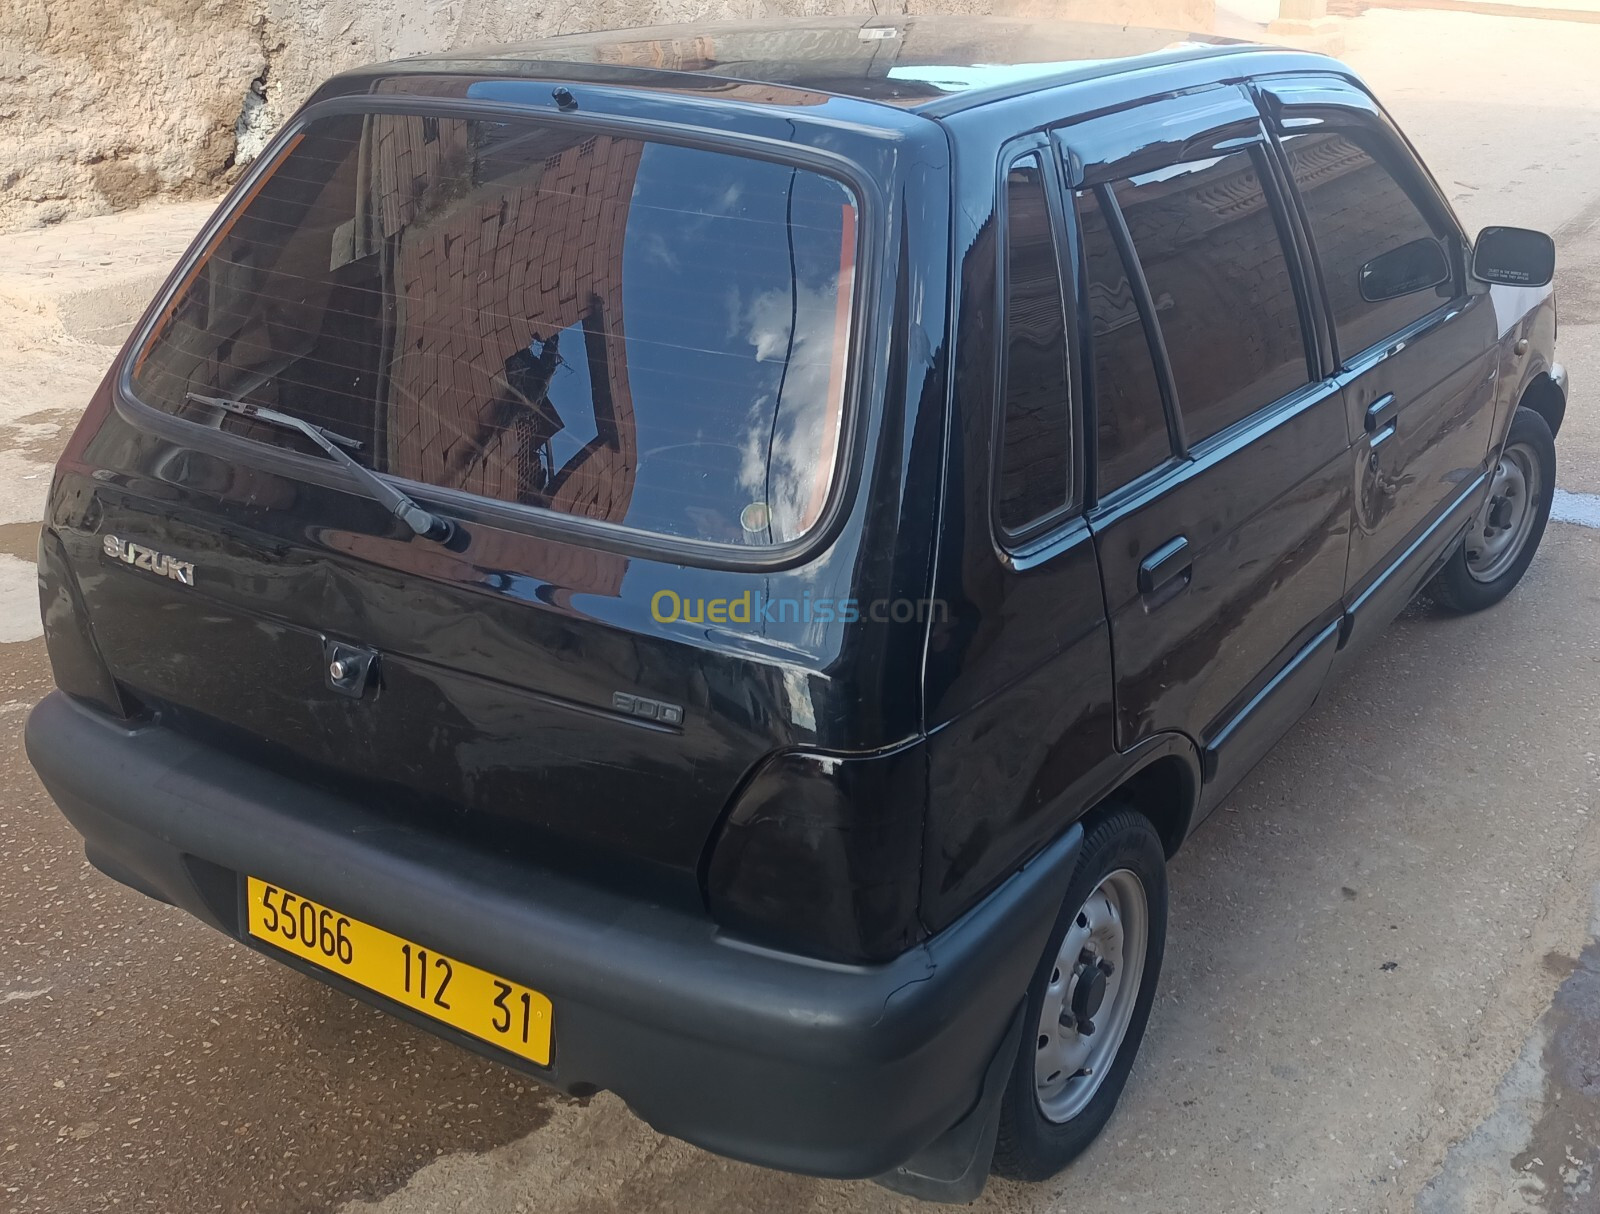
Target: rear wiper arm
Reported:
[(421, 520)]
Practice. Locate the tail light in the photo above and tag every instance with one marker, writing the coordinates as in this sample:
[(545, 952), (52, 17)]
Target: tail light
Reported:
[(822, 855)]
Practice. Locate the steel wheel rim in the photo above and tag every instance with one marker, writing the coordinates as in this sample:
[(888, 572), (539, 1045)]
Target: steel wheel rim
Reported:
[(1501, 529), (1112, 927)]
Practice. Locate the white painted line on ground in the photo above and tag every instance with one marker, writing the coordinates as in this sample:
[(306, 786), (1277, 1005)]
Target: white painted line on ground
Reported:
[(1580, 508)]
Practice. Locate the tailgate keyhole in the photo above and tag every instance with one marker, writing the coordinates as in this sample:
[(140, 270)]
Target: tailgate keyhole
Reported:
[(348, 669)]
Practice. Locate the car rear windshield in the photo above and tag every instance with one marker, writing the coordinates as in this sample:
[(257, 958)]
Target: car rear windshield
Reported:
[(615, 328)]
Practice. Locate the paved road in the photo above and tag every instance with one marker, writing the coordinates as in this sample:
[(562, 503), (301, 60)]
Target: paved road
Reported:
[(1439, 810)]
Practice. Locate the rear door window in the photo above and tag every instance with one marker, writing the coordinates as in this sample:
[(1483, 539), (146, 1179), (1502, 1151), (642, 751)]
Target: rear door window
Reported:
[(1207, 236), (619, 329), (1130, 420), (1358, 210)]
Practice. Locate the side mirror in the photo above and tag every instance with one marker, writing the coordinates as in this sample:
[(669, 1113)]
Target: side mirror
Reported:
[(1517, 257), (1414, 266)]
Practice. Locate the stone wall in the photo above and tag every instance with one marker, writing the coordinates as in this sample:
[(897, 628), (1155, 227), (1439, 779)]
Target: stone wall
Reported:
[(104, 103), (107, 102)]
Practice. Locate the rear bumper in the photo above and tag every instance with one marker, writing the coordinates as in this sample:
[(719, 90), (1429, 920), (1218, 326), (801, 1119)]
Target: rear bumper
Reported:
[(805, 1066)]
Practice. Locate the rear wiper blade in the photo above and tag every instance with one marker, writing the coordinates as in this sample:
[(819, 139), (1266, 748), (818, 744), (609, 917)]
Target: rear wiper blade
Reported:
[(421, 520)]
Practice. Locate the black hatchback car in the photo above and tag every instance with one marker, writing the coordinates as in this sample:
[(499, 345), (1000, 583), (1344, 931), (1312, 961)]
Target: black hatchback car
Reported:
[(720, 564)]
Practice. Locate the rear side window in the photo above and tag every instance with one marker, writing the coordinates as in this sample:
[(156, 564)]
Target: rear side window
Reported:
[(1207, 237), (608, 327), (1130, 422), (1357, 210), (1034, 454)]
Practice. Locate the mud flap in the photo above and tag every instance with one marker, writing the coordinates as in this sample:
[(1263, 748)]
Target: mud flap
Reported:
[(954, 1168)]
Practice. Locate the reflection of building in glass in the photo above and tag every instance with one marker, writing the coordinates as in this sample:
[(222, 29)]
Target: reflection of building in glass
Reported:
[(1212, 255), (500, 250), (497, 250), (1357, 211)]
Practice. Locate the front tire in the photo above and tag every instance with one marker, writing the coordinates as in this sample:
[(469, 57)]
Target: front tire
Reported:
[(1505, 533), (1089, 1000)]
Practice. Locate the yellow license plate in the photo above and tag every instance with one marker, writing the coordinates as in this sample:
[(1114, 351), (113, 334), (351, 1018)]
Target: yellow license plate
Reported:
[(452, 992)]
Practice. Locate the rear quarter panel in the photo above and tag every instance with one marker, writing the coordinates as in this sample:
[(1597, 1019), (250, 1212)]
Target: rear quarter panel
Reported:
[(1019, 667)]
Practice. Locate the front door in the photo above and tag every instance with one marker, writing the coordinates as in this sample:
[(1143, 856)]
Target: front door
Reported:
[(1417, 366)]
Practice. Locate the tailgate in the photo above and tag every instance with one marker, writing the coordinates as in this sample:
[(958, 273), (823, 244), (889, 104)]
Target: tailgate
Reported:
[(511, 320)]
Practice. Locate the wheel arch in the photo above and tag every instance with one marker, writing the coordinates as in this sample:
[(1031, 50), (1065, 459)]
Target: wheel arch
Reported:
[(1163, 783)]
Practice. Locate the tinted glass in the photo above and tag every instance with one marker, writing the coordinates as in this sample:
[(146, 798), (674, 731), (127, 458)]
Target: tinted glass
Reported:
[(1207, 237), (619, 329), (1357, 210), (1130, 423), (1034, 453)]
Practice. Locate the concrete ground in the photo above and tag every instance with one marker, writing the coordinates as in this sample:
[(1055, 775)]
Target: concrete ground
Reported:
[(1383, 985)]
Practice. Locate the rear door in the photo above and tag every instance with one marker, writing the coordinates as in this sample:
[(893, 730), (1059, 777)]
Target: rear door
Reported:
[(1221, 498), (1417, 369)]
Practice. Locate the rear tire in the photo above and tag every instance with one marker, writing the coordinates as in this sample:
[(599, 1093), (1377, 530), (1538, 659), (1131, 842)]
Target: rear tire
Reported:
[(1114, 914), (1505, 534)]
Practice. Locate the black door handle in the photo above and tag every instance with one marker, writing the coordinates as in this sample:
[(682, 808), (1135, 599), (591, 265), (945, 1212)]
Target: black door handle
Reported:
[(1382, 412), (1165, 565)]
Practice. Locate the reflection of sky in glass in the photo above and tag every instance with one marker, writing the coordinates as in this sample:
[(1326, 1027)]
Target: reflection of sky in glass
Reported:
[(1172, 172), (572, 395), (708, 296)]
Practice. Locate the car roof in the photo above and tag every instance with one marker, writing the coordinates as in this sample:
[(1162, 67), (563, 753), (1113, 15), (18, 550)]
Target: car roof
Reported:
[(933, 64)]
